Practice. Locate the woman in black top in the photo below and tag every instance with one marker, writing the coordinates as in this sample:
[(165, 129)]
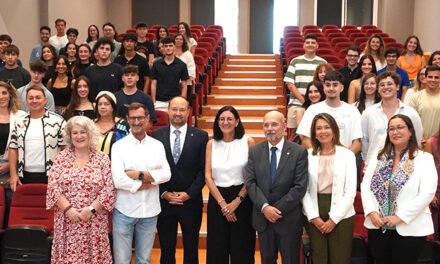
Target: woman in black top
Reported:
[(49, 56), (80, 103), (61, 85)]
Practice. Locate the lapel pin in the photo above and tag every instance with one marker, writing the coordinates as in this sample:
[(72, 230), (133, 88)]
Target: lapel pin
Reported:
[(288, 153), (192, 134)]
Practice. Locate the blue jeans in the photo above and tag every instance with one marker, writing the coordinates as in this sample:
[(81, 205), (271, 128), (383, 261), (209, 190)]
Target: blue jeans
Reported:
[(123, 229)]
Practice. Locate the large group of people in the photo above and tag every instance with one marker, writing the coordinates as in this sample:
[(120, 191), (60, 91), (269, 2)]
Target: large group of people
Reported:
[(78, 122)]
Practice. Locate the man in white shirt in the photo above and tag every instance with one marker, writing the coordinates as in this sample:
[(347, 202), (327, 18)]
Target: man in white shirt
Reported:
[(374, 119), (139, 165), (60, 39), (347, 116)]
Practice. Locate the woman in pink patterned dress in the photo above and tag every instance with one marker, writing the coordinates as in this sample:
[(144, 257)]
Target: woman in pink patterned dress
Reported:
[(81, 190)]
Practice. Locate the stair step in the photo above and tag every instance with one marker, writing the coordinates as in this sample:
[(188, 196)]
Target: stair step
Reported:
[(254, 56), (249, 81), (250, 67), (246, 61), (155, 256), (251, 90), (245, 110), (246, 99), (251, 74)]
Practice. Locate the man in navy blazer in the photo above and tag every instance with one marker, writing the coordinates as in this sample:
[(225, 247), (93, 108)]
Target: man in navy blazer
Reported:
[(276, 181), (181, 197)]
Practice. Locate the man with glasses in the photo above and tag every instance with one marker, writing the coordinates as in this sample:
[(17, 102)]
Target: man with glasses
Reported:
[(139, 165), (347, 116), (427, 102), (349, 71), (375, 118), (391, 56)]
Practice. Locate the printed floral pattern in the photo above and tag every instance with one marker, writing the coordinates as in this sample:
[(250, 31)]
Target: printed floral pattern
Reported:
[(84, 242)]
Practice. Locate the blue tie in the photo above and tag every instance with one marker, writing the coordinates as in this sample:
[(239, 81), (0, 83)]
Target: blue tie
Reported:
[(273, 163), (176, 148)]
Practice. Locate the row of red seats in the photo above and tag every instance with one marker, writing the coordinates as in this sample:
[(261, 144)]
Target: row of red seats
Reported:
[(332, 40)]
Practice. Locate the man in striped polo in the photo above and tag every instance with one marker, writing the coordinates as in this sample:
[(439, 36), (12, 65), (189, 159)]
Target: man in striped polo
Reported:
[(298, 75)]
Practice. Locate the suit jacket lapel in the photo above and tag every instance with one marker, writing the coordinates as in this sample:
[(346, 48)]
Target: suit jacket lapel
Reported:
[(266, 163), (285, 154)]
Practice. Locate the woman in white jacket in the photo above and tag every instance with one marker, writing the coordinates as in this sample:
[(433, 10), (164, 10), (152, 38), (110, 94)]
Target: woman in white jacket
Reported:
[(328, 203), (396, 192)]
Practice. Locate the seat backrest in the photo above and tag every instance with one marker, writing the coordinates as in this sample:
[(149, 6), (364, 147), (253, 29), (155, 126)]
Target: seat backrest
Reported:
[(28, 207), (162, 120), (2, 206)]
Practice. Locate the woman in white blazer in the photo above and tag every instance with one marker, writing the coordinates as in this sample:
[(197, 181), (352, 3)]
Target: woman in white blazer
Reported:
[(328, 202), (396, 192), (8, 113)]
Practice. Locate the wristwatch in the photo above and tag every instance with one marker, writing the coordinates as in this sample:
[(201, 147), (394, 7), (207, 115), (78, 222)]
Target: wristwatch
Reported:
[(141, 176), (92, 210), (240, 197)]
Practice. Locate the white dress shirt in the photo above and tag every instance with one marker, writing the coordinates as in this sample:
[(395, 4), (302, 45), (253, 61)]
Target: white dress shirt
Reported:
[(374, 124), (182, 130), (146, 155)]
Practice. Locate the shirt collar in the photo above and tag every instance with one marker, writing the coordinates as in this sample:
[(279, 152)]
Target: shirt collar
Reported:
[(182, 129), (279, 145)]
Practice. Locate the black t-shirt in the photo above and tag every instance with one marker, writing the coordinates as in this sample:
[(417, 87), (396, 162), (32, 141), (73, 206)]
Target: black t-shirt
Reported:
[(168, 78), (4, 134), (146, 48), (139, 61), (138, 97), (349, 76), (104, 78), (18, 76)]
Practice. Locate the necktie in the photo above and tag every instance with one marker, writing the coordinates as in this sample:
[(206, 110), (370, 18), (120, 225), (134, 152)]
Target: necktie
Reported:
[(273, 163), (176, 148)]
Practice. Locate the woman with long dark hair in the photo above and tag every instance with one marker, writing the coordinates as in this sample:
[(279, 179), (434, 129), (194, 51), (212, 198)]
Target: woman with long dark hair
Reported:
[(369, 92), (61, 84), (80, 103), (366, 65)]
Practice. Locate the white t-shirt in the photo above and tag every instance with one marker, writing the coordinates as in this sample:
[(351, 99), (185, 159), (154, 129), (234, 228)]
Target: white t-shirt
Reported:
[(58, 42), (34, 147), (347, 117)]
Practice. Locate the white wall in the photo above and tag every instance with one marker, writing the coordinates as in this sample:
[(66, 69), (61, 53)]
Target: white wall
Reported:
[(426, 24), (396, 17)]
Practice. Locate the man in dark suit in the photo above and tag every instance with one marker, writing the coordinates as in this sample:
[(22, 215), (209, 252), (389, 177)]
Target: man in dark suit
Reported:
[(276, 183), (181, 197)]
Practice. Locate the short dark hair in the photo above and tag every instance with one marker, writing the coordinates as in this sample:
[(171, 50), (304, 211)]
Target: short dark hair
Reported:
[(60, 20), (239, 129), (110, 25), (396, 77), (130, 68), (104, 41), (392, 50), (11, 48), (72, 30), (311, 36), (38, 66), (141, 25), (35, 87), (412, 144), (129, 36), (45, 28), (6, 37), (431, 68), (334, 76), (136, 106), (353, 48), (167, 40), (316, 145)]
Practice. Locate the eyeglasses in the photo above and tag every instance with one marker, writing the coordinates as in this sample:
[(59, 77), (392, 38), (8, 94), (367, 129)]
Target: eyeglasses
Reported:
[(138, 118), (396, 129)]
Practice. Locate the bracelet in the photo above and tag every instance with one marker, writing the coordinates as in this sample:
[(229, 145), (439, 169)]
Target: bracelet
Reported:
[(67, 209), (222, 200)]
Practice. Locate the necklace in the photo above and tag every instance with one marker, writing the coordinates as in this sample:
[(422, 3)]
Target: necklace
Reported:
[(328, 152)]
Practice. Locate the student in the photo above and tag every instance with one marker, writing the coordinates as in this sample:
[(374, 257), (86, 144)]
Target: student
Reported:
[(44, 39), (12, 72), (391, 56), (130, 56), (143, 45), (130, 94), (104, 75), (109, 31), (299, 74), (350, 70), (60, 39)]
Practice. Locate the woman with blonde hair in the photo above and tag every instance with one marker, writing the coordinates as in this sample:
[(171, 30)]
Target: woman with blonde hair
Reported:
[(376, 48)]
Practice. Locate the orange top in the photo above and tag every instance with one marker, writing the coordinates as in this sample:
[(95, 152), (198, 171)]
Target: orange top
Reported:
[(412, 68)]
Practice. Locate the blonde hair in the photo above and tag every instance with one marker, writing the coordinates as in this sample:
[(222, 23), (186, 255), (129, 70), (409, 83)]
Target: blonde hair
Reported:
[(14, 103), (90, 127)]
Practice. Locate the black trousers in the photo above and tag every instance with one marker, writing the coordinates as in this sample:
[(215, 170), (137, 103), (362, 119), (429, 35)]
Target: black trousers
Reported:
[(34, 177), (230, 242), (189, 216), (392, 248)]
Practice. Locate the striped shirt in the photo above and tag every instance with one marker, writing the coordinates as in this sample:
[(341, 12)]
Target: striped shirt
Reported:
[(300, 73)]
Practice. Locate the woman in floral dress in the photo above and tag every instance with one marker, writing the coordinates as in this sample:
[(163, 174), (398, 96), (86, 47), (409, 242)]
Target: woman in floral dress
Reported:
[(81, 191)]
